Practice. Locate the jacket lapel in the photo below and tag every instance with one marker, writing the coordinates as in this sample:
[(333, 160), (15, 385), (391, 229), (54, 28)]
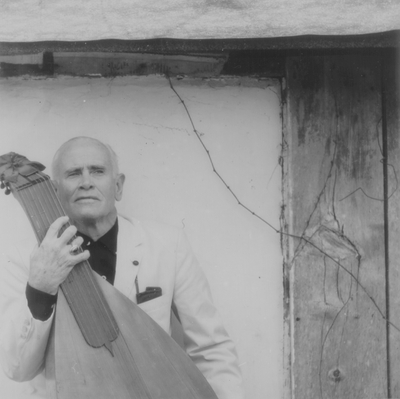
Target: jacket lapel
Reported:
[(129, 256)]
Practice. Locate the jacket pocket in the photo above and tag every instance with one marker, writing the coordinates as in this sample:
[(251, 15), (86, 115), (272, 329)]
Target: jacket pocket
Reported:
[(159, 309)]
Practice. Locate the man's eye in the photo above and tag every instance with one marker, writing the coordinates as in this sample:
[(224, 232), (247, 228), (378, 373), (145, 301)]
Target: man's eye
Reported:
[(72, 174), (98, 172)]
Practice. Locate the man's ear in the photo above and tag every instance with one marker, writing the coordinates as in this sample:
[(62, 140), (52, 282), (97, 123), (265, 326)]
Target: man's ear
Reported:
[(119, 185)]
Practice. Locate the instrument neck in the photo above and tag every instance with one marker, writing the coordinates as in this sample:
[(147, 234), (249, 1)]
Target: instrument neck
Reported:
[(80, 288)]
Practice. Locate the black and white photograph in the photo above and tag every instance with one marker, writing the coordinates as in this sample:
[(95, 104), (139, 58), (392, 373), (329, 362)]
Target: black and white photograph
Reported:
[(200, 201)]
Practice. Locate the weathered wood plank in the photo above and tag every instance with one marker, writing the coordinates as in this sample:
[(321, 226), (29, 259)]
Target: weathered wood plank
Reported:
[(335, 201), (392, 113), (121, 64), (389, 39)]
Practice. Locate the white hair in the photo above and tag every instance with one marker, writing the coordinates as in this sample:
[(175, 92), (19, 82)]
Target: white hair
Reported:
[(113, 155)]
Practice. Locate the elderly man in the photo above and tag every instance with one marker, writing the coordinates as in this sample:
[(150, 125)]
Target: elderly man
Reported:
[(88, 184)]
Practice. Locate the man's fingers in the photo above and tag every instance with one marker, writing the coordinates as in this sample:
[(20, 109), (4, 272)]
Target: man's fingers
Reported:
[(56, 226), (78, 241), (74, 245), (67, 235), (80, 257)]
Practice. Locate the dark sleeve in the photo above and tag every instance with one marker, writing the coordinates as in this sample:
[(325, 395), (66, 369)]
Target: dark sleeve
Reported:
[(40, 303)]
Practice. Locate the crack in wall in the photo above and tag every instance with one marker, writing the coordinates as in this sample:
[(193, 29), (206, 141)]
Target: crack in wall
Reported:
[(331, 234), (327, 236)]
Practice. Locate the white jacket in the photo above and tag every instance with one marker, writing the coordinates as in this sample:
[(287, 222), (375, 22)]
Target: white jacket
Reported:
[(157, 255)]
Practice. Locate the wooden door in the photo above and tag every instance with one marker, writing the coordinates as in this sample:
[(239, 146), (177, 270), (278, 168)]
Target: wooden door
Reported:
[(342, 263)]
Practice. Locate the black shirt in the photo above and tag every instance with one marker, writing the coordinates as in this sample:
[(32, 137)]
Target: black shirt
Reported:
[(103, 252), (103, 260)]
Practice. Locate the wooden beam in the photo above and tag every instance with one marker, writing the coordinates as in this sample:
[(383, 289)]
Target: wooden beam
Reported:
[(336, 224), (391, 113), (389, 39)]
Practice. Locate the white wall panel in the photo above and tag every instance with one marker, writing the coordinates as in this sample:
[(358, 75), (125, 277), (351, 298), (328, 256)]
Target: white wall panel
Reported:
[(170, 179)]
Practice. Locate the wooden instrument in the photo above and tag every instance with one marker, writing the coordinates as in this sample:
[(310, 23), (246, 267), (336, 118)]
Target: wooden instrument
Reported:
[(102, 345)]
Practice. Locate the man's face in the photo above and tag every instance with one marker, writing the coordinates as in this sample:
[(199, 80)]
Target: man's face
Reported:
[(86, 183)]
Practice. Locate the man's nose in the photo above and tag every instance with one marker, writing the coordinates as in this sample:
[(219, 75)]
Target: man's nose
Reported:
[(86, 180)]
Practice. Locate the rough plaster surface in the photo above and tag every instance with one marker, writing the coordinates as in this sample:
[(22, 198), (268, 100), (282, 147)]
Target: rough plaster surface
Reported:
[(36, 20), (169, 179)]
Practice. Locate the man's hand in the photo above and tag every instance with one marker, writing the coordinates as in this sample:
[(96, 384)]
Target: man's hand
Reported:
[(52, 261)]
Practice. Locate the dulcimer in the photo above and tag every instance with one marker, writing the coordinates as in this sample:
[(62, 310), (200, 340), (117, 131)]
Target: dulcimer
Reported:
[(102, 345)]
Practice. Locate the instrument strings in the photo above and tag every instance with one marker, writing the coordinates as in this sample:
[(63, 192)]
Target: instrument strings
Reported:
[(85, 297), (92, 312), (99, 306)]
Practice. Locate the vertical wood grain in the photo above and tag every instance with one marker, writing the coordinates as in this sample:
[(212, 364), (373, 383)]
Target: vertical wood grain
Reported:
[(335, 202), (391, 82)]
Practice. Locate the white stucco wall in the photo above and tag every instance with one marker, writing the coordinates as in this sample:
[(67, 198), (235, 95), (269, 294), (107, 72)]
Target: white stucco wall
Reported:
[(35, 20), (170, 179)]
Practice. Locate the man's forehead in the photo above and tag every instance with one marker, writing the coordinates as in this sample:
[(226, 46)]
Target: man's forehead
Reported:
[(84, 154), (81, 150), (80, 166)]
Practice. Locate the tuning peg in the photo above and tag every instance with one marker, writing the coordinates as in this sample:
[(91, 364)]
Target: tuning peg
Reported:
[(6, 186)]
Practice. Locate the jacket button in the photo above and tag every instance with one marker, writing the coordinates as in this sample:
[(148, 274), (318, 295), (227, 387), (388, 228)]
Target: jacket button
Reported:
[(135, 263)]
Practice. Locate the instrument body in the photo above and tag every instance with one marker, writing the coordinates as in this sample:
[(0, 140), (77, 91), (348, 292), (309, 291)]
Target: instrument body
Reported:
[(102, 345)]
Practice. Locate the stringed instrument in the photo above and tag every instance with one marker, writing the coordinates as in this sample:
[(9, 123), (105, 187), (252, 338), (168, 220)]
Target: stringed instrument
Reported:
[(102, 345)]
